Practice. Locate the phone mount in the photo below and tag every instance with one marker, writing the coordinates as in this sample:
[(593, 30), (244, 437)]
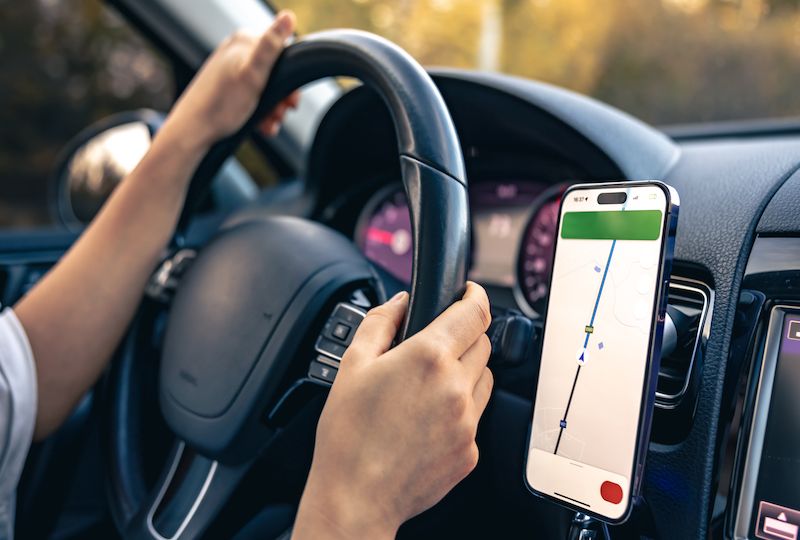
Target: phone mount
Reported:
[(585, 527)]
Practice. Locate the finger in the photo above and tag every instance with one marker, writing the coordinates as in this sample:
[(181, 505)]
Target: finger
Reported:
[(281, 108), (378, 329), (293, 99), (271, 127), (462, 323), (482, 391), (270, 43), (272, 123), (476, 358)]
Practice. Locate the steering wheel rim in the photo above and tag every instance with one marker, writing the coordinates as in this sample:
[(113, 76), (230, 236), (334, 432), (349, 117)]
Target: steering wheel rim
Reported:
[(434, 177), (427, 145)]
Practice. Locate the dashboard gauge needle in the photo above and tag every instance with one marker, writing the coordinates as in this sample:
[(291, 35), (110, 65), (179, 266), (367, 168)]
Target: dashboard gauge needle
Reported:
[(381, 236)]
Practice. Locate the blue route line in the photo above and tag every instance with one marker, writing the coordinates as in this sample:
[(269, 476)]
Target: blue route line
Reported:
[(563, 422), (600, 292), (605, 272)]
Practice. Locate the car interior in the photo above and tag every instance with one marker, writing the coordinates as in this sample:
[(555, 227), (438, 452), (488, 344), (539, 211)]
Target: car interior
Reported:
[(410, 179)]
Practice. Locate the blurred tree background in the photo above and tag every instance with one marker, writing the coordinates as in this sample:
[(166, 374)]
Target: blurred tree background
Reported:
[(64, 64), (665, 61), (67, 63)]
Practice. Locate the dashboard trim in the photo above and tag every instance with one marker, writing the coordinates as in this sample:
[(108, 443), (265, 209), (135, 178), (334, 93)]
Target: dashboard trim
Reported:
[(671, 401)]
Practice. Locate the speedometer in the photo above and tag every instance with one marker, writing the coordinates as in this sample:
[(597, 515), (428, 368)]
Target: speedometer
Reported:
[(384, 233), (537, 249), (501, 219)]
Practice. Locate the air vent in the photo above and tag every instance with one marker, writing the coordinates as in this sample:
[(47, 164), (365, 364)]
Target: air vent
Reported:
[(688, 306)]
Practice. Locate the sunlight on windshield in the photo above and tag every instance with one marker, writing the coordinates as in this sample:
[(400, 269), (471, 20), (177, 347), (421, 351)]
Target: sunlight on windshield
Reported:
[(665, 61)]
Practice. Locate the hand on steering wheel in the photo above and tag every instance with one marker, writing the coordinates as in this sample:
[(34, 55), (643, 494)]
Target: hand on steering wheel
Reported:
[(398, 429)]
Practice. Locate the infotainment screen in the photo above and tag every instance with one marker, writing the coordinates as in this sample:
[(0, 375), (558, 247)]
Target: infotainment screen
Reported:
[(770, 500)]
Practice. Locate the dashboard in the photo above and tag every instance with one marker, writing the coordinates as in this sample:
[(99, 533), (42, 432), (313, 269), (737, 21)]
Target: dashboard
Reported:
[(735, 259), (513, 232)]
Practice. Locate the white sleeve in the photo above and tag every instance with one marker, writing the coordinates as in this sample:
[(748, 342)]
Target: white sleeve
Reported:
[(17, 412)]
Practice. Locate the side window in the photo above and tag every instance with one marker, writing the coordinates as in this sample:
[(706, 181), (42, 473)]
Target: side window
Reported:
[(256, 164), (65, 64)]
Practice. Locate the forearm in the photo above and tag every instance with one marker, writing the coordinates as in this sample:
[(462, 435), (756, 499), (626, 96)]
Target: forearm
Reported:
[(77, 314)]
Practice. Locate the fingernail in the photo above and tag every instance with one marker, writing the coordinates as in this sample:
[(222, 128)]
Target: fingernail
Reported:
[(283, 24), (398, 297)]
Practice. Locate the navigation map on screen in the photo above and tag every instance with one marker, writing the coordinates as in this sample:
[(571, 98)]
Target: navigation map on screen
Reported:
[(596, 346)]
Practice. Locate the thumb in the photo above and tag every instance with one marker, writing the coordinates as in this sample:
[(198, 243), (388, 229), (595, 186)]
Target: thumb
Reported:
[(378, 329)]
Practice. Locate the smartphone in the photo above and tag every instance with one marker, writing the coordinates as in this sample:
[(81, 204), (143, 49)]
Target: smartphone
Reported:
[(601, 344)]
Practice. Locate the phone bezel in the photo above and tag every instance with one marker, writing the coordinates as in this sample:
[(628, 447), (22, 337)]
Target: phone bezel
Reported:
[(647, 402)]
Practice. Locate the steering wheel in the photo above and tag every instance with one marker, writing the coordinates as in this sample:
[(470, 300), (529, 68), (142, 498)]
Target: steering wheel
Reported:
[(256, 290)]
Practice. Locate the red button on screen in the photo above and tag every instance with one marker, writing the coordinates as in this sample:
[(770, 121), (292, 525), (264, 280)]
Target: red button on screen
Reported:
[(611, 492)]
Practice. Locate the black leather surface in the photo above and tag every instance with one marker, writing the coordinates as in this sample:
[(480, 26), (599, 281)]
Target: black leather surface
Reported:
[(782, 215), (724, 188), (437, 204), (640, 152)]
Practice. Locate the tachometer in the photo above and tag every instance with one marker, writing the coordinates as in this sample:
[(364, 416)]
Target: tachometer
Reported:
[(384, 232), (536, 251)]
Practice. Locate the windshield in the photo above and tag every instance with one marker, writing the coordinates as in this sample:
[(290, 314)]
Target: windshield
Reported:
[(664, 61)]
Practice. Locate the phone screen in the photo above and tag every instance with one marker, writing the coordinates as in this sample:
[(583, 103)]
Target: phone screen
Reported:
[(601, 318)]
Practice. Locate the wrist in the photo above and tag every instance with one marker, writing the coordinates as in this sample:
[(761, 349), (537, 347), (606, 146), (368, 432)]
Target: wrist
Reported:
[(172, 159), (179, 135), (340, 514)]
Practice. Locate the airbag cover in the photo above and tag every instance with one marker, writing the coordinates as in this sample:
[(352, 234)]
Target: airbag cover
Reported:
[(230, 301)]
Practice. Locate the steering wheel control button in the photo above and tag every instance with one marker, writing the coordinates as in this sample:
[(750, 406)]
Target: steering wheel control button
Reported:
[(348, 314), (323, 372), (611, 492), (341, 331), (330, 348)]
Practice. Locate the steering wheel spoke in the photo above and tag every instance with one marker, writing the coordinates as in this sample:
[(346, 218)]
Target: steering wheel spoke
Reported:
[(187, 498)]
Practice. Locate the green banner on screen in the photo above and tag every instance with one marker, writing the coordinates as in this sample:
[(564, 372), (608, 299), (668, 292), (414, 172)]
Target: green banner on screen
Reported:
[(617, 225)]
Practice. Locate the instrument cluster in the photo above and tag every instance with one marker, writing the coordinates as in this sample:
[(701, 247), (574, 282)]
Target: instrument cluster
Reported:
[(514, 225)]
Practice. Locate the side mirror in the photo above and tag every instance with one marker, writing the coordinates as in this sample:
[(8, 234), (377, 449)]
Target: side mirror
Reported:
[(99, 157), (95, 162)]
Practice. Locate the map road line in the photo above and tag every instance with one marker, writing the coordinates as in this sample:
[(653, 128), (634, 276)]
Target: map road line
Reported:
[(563, 422)]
